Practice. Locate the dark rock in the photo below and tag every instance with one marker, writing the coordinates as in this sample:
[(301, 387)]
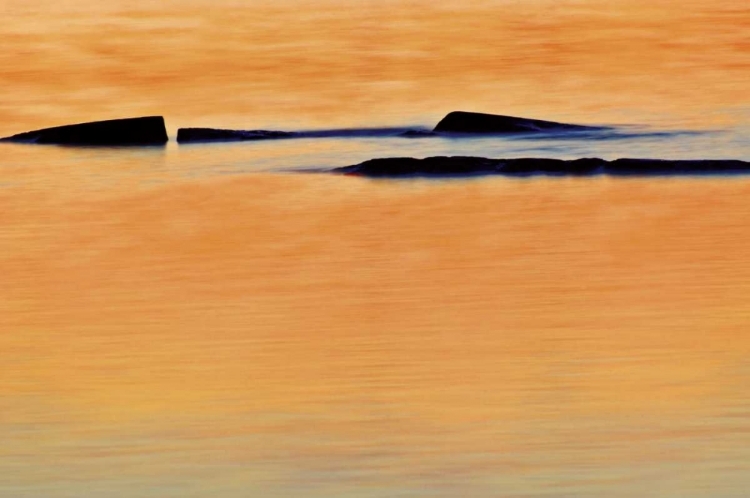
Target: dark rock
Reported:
[(360, 133), (417, 134), (187, 135), (431, 166), (148, 130), (475, 122), (551, 167), (470, 166)]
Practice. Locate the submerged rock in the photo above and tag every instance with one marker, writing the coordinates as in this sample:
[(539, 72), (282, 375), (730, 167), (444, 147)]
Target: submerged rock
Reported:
[(418, 134), (187, 135), (458, 166), (149, 130), (476, 122)]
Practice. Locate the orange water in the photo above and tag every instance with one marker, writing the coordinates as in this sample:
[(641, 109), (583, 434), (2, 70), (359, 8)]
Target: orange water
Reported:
[(336, 63), (169, 332)]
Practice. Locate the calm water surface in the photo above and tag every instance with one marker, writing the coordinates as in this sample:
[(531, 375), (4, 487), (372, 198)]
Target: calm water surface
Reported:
[(205, 321)]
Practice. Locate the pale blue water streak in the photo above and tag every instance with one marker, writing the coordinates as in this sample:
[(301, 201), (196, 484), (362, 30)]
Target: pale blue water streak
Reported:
[(32, 166), (330, 152)]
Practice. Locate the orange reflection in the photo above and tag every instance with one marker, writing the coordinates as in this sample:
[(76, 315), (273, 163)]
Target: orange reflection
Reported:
[(277, 327), (281, 290), (327, 63)]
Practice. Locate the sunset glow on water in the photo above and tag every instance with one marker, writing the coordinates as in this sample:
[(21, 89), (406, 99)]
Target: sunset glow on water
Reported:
[(205, 321), (334, 63)]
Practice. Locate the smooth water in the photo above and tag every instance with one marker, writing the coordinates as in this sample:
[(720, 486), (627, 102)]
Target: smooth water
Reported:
[(212, 321)]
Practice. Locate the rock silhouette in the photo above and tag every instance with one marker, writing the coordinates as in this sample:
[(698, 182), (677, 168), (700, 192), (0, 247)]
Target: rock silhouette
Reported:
[(458, 122), (458, 166), (185, 135), (196, 135), (418, 134), (476, 122), (148, 130)]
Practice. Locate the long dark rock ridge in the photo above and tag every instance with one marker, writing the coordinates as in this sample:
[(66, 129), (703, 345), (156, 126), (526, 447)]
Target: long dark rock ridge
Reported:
[(477, 122), (455, 123), (458, 166), (197, 135), (148, 130), (185, 135)]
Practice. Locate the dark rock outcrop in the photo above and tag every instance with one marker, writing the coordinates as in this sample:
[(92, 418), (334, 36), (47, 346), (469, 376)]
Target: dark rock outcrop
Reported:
[(149, 130), (470, 166), (187, 135), (476, 122), (196, 135), (458, 122), (418, 134)]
